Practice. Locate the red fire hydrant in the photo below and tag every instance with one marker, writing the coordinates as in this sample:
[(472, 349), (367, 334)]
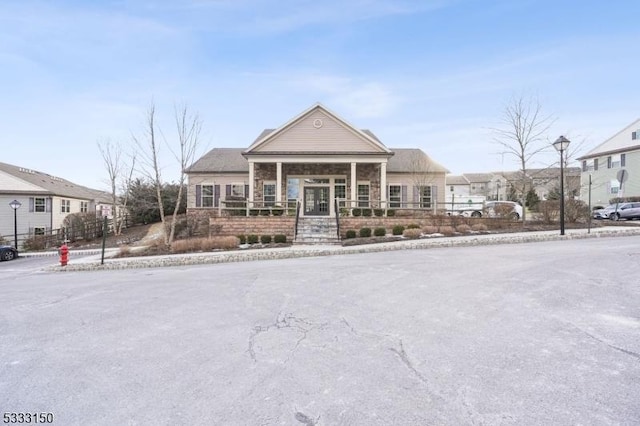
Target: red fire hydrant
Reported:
[(64, 254)]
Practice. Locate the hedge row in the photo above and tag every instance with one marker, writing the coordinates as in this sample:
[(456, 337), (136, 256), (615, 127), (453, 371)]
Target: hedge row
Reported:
[(264, 239)]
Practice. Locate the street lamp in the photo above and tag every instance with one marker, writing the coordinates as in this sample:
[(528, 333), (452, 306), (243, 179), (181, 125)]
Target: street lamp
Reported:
[(561, 144), (15, 205)]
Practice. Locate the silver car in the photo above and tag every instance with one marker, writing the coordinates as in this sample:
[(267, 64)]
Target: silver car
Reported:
[(605, 212), (626, 211)]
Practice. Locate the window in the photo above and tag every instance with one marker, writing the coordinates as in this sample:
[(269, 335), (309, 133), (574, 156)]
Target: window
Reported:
[(588, 165), (363, 194), (395, 196), (293, 190), (615, 161), (623, 158), (340, 191), (39, 230), (614, 187), (425, 197), (269, 193), (65, 206), (237, 190), (635, 135), (207, 196), (40, 205), (84, 206)]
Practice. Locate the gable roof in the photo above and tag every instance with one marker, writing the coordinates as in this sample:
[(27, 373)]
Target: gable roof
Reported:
[(411, 160), (43, 183), (221, 160), (367, 142), (478, 177), (620, 142), (456, 180)]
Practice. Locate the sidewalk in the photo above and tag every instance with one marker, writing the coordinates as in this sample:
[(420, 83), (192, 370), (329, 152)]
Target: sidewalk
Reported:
[(92, 262)]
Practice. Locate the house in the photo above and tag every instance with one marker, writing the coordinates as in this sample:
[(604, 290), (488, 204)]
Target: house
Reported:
[(603, 163), (319, 160), (457, 185), (45, 200)]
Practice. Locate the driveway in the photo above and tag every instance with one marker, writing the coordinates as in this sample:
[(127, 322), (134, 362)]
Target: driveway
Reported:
[(526, 334)]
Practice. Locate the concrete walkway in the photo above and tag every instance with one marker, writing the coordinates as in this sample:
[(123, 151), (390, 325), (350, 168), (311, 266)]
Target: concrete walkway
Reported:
[(92, 262)]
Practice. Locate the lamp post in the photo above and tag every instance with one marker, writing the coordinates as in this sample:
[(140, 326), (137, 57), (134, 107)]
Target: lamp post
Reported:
[(561, 145), (15, 205)]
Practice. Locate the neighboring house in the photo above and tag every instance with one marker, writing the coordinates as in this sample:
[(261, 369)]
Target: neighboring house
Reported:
[(481, 184), (316, 158), (457, 185), (545, 181), (621, 151), (45, 200)]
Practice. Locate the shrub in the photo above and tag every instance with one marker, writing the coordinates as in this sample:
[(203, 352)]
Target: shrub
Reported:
[(412, 233), (252, 239), (365, 232), (447, 230), (391, 213), (356, 212), (430, 229), (205, 244), (366, 212), (265, 239), (549, 210), (254, 212), (576, 211), (264, 212), (37, 242), (236, 206), (280, 238), (3, 241), (397, 230), (344, 211), (124, 251), (479, 227), (242, 239), (413, 226), (378, 212), (379, 232), (351, 234), (463, 228), (277, 210)]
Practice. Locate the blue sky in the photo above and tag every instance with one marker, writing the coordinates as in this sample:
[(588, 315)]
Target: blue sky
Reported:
[(432, 74)]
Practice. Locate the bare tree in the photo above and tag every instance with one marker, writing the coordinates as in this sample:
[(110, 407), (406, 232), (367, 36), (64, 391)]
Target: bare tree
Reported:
[(521, 135), (188, 129), (115, 165), (420, 169)]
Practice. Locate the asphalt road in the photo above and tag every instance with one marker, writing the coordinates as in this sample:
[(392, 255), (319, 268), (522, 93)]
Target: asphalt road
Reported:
[(522, 334)]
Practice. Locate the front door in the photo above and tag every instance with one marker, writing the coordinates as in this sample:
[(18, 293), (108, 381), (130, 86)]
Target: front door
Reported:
[(316, 201)]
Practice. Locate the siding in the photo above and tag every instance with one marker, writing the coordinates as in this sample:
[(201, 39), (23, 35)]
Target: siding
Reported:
[(213, 179), (602, 177), (333, 136), (26, 219)]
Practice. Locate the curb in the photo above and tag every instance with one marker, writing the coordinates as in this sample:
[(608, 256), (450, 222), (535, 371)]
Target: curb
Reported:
[(316, 251)]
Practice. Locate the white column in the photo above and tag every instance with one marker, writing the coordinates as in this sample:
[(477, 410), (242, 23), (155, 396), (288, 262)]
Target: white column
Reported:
[(383, 185), (251, 183), (279, 183), (354, 184)]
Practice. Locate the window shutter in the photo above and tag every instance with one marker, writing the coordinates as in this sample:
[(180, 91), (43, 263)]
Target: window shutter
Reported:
[(609, 162), (216, 195), (228, 191), (434, 196), (246, 191), (584, 165), (634, 135), (198, 195), (32, 204), (595, 164), (416, 196), (48, 205), (623, 159), (404, 195)]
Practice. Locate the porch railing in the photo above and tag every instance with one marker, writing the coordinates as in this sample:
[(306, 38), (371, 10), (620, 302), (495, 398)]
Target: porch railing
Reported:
[(335, 203), (295, 229)]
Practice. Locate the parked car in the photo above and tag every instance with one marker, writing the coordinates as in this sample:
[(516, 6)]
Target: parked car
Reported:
[(503, 209), (604, 213), (8, 253), (626, 211)]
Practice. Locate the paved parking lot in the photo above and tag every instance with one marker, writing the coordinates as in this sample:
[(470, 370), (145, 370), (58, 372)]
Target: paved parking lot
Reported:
[(539, 333)]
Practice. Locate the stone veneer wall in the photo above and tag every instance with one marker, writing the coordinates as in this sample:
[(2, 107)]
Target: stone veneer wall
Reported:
[(208, 223)]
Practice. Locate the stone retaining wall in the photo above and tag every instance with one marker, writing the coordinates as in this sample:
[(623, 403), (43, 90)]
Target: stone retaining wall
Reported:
[(258, 225)]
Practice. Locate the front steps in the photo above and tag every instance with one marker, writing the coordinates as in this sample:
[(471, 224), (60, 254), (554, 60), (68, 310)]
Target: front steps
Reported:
[(317, 230)]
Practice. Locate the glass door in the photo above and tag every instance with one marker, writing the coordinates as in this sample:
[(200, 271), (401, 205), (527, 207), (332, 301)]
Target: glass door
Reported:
[(316, 201)]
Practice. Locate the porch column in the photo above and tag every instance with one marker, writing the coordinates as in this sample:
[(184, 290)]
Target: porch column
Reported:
[(279, 183), (251, 183), (354, 184), (383, 185)]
